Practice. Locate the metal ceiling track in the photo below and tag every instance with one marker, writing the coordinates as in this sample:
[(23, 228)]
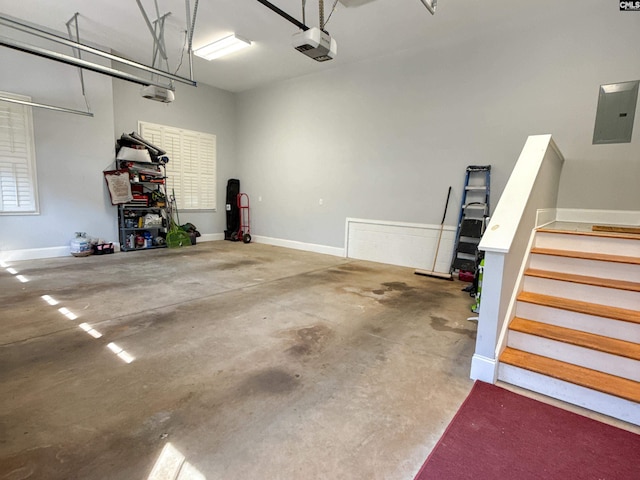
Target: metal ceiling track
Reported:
[(78, 62), (284, 14)]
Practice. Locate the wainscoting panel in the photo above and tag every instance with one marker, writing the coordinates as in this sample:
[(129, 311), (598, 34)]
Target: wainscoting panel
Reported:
[(396, 243)]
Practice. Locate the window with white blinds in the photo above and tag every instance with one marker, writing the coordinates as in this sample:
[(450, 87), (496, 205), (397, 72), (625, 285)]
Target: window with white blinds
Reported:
[(191, 170), (18, 189)]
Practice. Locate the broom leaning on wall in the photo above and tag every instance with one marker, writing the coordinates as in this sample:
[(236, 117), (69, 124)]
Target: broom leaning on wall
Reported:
[(432, 272)]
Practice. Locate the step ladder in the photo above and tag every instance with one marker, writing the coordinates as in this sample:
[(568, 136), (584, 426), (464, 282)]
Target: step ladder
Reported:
[(474, 211)]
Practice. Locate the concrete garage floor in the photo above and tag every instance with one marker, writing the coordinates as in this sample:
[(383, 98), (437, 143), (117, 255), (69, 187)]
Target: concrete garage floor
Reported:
[(250, 361)]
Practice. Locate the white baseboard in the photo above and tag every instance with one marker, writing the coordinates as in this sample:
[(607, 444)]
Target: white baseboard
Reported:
[(308, 247), (616, 217), (484, 369), (52, 252), (210, 237), (64, 251), (34, 253)]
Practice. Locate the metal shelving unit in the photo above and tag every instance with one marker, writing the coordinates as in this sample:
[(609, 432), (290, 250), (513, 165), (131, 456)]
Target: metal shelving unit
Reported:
[(135, 232)]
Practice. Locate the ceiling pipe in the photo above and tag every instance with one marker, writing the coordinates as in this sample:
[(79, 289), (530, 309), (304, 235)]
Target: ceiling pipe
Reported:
[(44, 105), (431, 5), (156, 41), (191, 25), (58, 39), (284, 15), (77, 52), (189, 36), (77, 62)]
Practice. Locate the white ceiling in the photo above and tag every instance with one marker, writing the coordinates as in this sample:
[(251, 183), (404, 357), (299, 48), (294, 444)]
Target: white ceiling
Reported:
[(380, 27)]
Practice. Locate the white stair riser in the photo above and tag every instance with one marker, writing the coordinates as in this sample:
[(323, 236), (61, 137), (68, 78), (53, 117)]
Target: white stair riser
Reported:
[(586, 243), (579, 321), (568, 392), (591, 268), (586, 293), (583, 357)]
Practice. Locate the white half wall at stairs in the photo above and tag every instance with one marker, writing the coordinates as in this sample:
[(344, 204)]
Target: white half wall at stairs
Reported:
[(533, 185), (404, 244), (605, 217)]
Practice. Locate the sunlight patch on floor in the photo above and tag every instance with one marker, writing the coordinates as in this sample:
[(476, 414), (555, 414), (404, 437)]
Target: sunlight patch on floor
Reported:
[(67, 313), (172, 465), (87, 328), (121, 353), (49, 299)]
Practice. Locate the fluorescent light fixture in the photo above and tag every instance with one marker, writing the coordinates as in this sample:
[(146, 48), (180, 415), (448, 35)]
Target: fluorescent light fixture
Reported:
[(222, 47), (354, 3), (22, 278), (617, 87), (12, 271)]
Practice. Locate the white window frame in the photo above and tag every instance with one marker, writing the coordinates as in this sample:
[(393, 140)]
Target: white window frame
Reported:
[(192, 166), (18, 157)]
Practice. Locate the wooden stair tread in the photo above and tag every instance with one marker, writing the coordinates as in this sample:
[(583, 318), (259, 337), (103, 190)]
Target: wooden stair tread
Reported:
[(584, 279), (585, 377), (626, 236), (578, 306), (604, 257), (616, 229), (576, 337)]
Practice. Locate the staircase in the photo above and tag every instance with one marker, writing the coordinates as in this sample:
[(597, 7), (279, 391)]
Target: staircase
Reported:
[(576, 331)]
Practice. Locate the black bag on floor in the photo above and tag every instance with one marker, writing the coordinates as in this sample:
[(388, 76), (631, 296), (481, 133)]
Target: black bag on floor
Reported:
[(233, 212), (192, 231)]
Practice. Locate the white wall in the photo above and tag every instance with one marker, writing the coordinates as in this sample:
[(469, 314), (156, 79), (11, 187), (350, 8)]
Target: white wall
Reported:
[(383, 139), (72, 151), (202, 108)]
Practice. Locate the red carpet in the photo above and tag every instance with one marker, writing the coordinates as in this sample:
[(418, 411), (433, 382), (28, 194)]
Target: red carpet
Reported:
[(499, 435)]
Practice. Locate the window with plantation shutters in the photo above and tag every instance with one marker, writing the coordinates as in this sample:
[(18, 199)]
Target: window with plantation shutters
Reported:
[(191, 170), (18, 189)]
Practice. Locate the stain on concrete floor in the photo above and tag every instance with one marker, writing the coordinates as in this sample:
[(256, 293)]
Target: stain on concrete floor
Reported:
[(442, 325), (324, 368), (271, 381), (309, 340)]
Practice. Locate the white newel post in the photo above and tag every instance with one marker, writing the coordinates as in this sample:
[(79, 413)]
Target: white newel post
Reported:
[(484, 363)]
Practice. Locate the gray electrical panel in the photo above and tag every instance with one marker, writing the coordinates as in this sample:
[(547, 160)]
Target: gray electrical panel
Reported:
[(616, 111)]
